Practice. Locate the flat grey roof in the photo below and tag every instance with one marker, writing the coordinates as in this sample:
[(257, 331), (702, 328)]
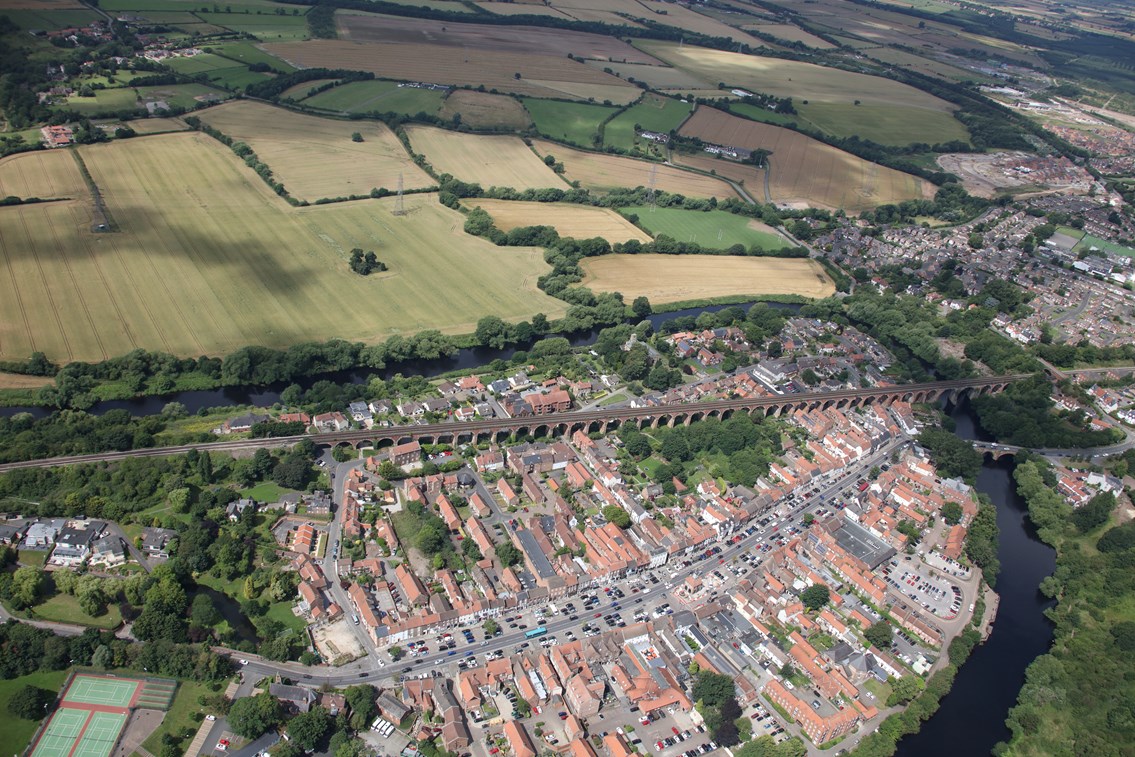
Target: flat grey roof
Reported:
[(861, 543)]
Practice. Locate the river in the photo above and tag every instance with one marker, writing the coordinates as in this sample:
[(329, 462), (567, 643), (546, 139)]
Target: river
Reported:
[(264, 396), (971, 719)]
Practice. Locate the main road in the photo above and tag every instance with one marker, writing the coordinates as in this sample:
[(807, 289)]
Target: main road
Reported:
[(453, 429)]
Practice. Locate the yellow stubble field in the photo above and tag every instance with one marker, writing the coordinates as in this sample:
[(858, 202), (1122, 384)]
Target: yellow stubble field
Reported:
[(578, 221), (491, 161), (680, 278), (316, 157), (209, 259), (601, 172)]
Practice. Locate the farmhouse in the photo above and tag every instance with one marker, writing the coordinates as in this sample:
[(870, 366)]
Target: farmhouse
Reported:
[(57, 136)]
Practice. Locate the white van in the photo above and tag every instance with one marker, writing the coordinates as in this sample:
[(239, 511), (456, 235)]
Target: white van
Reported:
[(355, 619)]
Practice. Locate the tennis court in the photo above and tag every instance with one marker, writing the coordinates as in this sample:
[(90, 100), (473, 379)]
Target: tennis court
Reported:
[(59, 736), (100, 735), (113, 692)]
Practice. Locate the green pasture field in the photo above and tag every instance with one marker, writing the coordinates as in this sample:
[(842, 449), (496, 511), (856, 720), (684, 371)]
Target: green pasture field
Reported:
[(653, 113), (104, 101), (704, 227), (208, 259), (264, 24), (184, 95), (206, 62), (574, 123), (379, 96), (248, 53), (17, 732), (48, 20), (757, 113), (886, 124), (236, 77)]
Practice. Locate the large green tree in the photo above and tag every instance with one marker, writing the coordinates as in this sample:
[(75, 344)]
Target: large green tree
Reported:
[(307, 728), (815, 596), (251, 717), (30, 702)]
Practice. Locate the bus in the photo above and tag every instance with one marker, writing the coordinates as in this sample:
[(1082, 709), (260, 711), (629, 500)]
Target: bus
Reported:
[(535, 632)]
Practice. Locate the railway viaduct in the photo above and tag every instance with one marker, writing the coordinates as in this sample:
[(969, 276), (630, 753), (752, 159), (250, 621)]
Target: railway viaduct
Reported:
[(588, 421)]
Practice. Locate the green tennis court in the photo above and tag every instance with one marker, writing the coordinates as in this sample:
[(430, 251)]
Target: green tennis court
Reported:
[(100, 735), (106, 691), (61, 732)]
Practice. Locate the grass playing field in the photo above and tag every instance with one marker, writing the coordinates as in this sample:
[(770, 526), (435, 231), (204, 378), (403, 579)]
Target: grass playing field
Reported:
[(491, 161), (922, 117), (679, 278), (602, 173), (579, 221), (574, 123), (654, 113), (714, 229), (805, 171), (317, 157), (208, 259)]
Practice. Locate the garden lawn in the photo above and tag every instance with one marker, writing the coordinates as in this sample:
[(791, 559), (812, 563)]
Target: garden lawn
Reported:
[(267, 492), (281, 612), (15, 733), (63, 608)]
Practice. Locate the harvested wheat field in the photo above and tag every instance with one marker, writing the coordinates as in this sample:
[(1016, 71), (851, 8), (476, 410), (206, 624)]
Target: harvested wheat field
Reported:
[(795, 79), (748, 176), (316, 157), (540, 75), (208, 259), (48, 175), (680, 278), (481, 110), (578, 221), (805, 171), (519, 40), (602, 173), (491, 161)]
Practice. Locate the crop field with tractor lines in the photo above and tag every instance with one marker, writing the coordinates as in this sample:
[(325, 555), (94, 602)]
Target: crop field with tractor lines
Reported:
[(316, 157), (805, 171), (680, 278), (602, 173), (209, 259), (578, 221), (488, 160)]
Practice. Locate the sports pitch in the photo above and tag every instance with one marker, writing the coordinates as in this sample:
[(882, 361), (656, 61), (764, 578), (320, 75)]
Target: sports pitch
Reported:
[(80, 733), (113, 692), (91, 716)]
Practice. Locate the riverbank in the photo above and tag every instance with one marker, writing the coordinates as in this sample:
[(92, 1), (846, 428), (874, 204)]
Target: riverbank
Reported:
[(1079, 694), (197, 392), (970, 719)]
